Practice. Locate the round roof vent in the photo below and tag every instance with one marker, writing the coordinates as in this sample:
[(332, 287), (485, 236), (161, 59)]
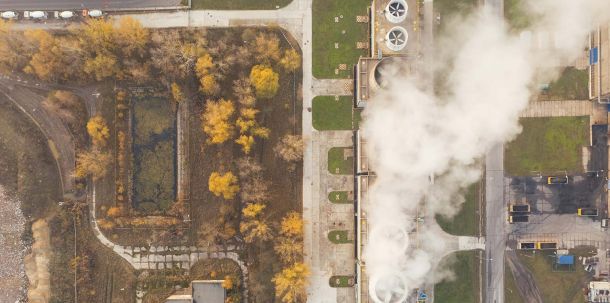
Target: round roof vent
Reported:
[(396, 11), (388, 288), (389, 69), (397, 38)]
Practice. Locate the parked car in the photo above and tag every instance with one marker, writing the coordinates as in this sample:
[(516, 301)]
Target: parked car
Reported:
[(66, 14), (95, 13), (9, 15), (38, 15)]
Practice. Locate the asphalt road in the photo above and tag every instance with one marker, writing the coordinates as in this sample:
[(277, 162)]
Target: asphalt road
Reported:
[(495, 212), (80, 4)]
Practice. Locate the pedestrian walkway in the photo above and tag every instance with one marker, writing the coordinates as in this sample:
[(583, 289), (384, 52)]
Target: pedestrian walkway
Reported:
[(333, 87), (568, 108)]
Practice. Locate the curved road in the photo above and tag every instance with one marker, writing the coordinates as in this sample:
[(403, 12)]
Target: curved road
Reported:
[(60, 140)]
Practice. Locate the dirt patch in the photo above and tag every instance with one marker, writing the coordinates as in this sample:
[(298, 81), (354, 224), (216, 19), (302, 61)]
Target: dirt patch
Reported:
[(12, 249), (37, 263)]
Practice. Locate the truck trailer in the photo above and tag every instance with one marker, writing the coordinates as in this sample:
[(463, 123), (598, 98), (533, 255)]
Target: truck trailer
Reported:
[(524, 208), (518, 219), (587, 212)]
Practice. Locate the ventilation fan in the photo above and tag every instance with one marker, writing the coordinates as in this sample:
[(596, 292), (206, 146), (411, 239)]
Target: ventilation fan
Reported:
[(396, 11), (397, 38)]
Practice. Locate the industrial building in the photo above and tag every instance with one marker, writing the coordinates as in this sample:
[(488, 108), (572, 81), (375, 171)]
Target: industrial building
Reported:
[(395, 29), (200, 291), (599, 291)]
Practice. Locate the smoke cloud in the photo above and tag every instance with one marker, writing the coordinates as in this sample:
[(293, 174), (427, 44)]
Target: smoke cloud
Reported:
[(413, 134)]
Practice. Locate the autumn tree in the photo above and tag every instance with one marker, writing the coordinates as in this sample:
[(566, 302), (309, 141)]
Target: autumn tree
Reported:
[(289, 244), (102, 66), (132, 36), (223, 185), (47, 63), (177, 94), (98, 36), (291, 283), (92, 163), (249, 128), (98, 130), (291, 61), (290, 149), (267, 48), (253, 226), (14, 50), (216, 120), (242, 89), (254, 189), (265, 81)]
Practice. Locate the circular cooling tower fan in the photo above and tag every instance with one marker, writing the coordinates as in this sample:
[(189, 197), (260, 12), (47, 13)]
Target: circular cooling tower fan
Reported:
[(397, 38), (396, 11)]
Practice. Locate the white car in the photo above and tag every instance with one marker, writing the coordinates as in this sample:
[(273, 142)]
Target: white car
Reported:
[(38, 14), (95, 13), (66, 14), (9, 15)]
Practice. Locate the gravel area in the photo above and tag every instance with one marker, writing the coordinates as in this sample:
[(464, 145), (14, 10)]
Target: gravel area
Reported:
[(12, 250)]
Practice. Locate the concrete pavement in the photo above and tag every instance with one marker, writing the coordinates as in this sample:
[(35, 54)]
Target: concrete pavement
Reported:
[(567, 108)]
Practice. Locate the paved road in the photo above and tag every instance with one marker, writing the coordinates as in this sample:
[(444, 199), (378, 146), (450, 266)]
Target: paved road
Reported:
[(494, 209), (79, 4), (495, 228)]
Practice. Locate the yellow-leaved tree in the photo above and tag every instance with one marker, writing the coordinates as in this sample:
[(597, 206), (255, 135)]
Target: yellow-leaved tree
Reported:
[(98, 130), (92, 163), (253, 226), (291, 61), (216, 120), (132, 36), (265, 81), (289, 244), (177, 93), (223, 185), (291, 283)]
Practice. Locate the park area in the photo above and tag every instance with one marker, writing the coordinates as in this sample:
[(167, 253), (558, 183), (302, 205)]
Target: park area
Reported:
[(548, 146), (336, 32)]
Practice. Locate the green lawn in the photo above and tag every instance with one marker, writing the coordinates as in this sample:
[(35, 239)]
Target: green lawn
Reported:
[(339, 197), (237, 4), (337, 162), (339, 237), (466, 222), (331, 114), (555, 286), (465, 287), (346, 32), (573, 84), (548, 145)]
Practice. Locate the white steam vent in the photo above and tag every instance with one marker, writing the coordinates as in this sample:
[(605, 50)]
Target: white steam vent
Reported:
[(392, 238), (388, 288), (396, 11), (397, 38)]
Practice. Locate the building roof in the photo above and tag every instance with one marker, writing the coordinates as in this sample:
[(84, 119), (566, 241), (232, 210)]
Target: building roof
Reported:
[(179, 299), (565, 260), (208, 291)]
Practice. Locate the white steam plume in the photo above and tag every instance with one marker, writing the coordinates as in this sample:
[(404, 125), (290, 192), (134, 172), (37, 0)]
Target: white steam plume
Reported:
[(413, 134)]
